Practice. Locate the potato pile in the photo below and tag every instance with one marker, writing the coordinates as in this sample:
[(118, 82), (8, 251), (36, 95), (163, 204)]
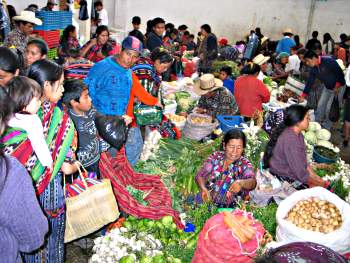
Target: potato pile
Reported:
[(201, 120), (316, 215), (175, 118)]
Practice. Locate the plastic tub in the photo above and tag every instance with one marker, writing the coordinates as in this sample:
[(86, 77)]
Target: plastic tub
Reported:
[(322, 159), (228, 122)]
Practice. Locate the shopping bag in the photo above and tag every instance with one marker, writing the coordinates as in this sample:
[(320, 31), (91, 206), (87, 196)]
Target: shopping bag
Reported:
[(89, 211)]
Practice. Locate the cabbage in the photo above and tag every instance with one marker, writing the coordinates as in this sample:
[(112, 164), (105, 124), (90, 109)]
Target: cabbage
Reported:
[(323, 134), (170, 96), (274, 84), (310, 137), (326, 144), (314, 126)]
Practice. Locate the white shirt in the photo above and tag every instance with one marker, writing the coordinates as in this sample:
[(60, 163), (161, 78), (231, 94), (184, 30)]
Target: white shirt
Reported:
[(261, 76), (103, 16), (293, 64), (33, 126), (347, 77)]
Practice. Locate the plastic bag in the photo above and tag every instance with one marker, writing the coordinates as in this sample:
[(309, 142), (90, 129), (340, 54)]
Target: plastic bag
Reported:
[(287, 232), (197, 131), (147, 115), (112, 129), (217, 242), (334, 112)]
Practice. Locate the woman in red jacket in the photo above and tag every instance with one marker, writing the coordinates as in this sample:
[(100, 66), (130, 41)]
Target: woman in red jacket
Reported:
[(250, 92)]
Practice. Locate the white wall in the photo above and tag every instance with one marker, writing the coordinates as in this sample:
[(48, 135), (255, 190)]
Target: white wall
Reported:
[(234, 18)]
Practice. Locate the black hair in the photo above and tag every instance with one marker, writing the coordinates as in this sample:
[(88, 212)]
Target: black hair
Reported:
[(293, 115), (45, 70), (9, 61), (310, 54), (173, 31), (136, 20), (24, 23), (169, 26), (301, 51), (149, 26), (199, 33), (186, 33), (6, 109), (33, 6), (234, 134), (191, 36), (40, 44), (326, 38), (317, 46), (66, 31), (206, 28), (182, 27), (315, 34), (342, 37), (22, 90), (12, 11), (288, 34), (72, 91), (250, 69), (227, 70), (297, 40), (162, 54), (157, 20), (100, 29), (98, 3)]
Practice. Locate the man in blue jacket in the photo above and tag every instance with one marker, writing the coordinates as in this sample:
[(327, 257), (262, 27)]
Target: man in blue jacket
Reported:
[(328, 71), (286, 43)]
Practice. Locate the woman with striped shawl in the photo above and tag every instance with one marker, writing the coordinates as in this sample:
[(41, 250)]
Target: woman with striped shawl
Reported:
[(60, 136)]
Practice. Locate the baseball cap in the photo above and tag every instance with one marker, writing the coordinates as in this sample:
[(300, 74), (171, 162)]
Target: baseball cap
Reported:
[(132, 43)]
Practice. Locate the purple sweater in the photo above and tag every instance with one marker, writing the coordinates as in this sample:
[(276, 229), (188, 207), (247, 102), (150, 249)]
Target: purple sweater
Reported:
[(289, 157), (22, 223)]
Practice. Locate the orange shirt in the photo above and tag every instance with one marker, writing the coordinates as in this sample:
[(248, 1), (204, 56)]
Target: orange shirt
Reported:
[(139, 92)]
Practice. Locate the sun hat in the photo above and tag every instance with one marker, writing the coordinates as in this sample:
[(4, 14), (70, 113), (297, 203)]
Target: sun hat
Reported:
[(287, 31), (28, 16), (206, 84), (261, 59), (132, 43), (263, 40)]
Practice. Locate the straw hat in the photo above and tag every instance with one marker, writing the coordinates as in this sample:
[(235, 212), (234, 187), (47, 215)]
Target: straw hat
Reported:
[(263, 40), (206, 84), (261, 59), (287, 30), (28, 16)]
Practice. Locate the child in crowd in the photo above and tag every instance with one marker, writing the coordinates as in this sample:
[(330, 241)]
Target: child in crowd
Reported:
[(226, 77), (26, 94), (76, 98), (191, 45)]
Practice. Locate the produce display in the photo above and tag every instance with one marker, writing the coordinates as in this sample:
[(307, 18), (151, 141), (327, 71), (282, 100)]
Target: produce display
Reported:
[(286, 95), (326, 152), (175, 118), (316, 215), (201, 120)]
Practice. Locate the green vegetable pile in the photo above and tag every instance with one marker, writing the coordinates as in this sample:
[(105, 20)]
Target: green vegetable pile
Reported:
[(217, 65)]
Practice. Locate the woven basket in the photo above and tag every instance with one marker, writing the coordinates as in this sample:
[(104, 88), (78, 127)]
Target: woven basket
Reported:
[(90, 210)]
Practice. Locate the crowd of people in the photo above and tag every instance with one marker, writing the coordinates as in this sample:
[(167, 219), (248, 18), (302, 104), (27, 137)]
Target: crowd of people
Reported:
[(48, 114)]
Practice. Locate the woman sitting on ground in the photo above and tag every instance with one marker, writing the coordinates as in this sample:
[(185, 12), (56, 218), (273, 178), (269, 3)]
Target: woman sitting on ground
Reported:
[(68, 41), (227, 176), (285, 154), (100, 47), (279, 72)]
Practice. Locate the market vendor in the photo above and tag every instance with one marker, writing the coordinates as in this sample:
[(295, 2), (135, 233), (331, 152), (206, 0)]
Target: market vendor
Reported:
[(215, 99), (227, 176), (285, 154), (100, 47), (279, 68)]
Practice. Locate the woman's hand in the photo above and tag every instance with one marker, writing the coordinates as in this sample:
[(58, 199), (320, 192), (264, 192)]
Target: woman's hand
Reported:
[(159, 104), (205, 195), (235, 187), (127, 119), (69, 168)]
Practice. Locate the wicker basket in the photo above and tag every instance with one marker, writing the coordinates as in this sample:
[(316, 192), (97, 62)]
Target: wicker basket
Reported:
[(90, 210)]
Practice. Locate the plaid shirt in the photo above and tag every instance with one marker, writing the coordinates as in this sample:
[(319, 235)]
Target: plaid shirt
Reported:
[(222, 103)]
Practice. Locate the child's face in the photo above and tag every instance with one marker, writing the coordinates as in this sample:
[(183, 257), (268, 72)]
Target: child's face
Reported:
[(223, 75), (136, 26), (84, 104), (33, 105)]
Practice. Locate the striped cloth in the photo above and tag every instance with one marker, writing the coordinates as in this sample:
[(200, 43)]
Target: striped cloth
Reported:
[(121, 174)]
